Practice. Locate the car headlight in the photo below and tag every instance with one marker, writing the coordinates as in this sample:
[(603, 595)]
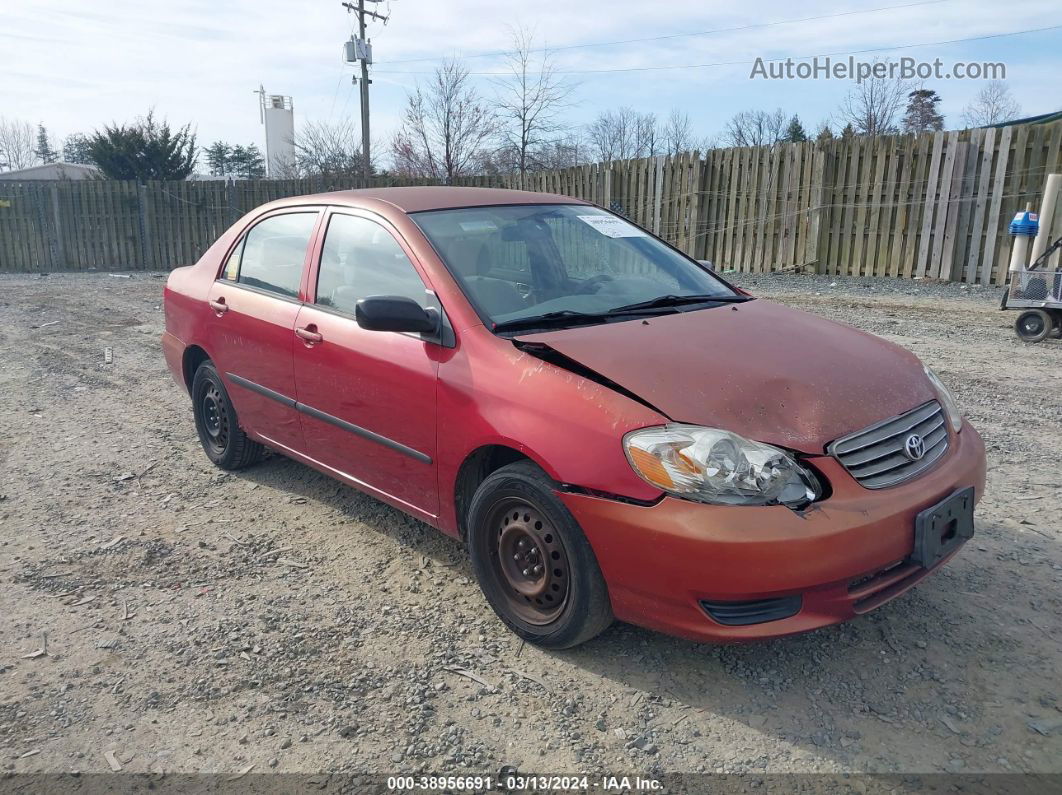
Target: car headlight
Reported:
[(947, 400), (712, 465)]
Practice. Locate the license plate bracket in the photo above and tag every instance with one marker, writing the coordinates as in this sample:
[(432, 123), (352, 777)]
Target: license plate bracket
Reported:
[(942, 528)]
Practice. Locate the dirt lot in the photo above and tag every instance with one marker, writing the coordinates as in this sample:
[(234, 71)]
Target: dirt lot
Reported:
[(203, 621)]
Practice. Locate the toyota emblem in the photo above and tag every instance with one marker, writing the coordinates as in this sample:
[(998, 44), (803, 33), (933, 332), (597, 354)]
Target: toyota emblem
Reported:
[(915, 447)]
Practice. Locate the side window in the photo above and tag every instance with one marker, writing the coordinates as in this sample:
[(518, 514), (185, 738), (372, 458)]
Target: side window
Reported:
[(360, 258), (231, 270), (273, 253)]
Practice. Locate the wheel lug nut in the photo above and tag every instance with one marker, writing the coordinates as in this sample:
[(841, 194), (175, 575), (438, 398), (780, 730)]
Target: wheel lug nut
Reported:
[(538, 570), (527, 572), (516, 557)]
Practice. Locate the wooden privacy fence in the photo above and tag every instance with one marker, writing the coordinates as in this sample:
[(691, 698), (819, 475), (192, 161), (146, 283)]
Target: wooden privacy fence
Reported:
[(88, 224), (934, 205)]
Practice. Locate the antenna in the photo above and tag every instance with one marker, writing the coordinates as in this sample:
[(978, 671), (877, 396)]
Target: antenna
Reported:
[(260, 91)]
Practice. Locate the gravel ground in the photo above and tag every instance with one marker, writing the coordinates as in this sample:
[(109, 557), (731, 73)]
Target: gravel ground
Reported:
[(201, 621)]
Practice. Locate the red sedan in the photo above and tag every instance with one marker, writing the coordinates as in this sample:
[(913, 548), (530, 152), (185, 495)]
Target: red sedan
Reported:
[(610, 427)]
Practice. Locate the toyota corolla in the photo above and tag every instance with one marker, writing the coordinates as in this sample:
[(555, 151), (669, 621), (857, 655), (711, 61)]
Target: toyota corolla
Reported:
[(612, 429)]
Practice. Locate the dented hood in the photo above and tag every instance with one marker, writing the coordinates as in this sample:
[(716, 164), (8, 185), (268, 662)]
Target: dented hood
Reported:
[(759, 369)]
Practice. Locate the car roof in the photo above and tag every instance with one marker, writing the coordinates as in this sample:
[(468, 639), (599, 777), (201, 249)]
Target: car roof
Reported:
[(427, 197)]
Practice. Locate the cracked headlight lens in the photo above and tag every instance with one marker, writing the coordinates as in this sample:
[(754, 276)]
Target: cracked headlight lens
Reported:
[(716, 466), (947, 400)]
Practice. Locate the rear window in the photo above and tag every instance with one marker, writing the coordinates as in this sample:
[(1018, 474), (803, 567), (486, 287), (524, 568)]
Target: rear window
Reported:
[(272, 254)]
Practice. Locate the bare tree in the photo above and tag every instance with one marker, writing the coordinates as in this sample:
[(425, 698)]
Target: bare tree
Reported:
[(992, 105), (571, 150), (677, 133), (611, 134), (18, 143), (756, 128), (872, 106), (330, 150), (646, 135), (623, 134), (530, 101), (446, 129)]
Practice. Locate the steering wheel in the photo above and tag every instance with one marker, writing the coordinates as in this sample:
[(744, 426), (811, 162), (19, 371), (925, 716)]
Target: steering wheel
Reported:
[(592, 284)]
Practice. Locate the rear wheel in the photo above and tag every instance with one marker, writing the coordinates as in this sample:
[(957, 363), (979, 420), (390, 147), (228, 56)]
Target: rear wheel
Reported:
[(533, 562), (223, 440), (1033, 325)]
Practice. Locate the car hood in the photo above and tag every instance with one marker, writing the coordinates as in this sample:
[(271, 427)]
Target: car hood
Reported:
[(759, 369)]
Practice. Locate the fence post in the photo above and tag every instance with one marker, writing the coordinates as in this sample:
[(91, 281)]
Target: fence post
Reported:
[(818, 228), (142, 218), (658, 192), (58, 252), (230, 200)]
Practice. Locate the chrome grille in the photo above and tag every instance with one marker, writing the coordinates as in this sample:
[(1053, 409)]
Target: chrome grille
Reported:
[(876, 457)]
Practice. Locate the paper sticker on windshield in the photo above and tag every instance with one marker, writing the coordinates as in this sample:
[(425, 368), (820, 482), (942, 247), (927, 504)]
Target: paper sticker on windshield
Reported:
[(611, 226), (485, 225)]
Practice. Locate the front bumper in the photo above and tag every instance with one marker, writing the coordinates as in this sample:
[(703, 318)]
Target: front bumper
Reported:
[(843, 556)]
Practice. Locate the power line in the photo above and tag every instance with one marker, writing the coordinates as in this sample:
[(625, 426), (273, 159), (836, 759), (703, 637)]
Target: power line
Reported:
[(499, 53), (755, 60)]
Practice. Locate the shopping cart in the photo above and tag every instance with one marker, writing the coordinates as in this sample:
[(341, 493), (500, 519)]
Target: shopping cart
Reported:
[(1037, 292)]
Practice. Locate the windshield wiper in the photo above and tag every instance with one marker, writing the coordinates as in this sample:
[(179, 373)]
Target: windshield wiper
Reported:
[(560, 318), (676, 300)]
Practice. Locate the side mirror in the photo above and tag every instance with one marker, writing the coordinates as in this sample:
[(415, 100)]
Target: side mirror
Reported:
[(394, 313), (708, 264)]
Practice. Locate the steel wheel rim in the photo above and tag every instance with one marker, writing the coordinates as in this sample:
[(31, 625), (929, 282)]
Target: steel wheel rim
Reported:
[(528, 561), (215, 418), (1032, 325)]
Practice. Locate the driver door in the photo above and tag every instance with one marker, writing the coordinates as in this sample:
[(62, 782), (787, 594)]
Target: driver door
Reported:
[(367, 397)]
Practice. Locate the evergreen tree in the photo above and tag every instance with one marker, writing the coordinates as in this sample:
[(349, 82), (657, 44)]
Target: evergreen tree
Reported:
[(246, 162), (218, 155), (848, 132), (922, 114), (76, 149), (146, 149), (825, 134), (44, 147), (795, 132), (254, 163)]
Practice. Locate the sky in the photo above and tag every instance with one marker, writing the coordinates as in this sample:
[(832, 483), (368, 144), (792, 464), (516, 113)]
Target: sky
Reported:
[(75, 66)]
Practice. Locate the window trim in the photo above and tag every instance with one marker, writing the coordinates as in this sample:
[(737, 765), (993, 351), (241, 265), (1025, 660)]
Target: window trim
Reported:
[(445, 337), (311, 248)]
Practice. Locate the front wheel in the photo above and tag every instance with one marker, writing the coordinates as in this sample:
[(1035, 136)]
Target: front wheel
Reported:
[(1033, 325), (533, 562), (223, 440)]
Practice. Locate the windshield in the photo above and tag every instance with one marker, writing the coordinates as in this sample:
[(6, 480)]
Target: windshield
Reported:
[(521, 262)]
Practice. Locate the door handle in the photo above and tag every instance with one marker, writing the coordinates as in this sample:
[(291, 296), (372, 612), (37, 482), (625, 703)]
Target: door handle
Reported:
[(309, 334), (219, 306)]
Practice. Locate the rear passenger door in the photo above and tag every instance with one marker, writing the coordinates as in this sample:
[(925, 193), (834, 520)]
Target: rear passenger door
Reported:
[(368, 397), (250, 333)]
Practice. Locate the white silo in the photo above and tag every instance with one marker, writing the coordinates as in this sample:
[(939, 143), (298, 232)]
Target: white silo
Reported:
[(278, 117)]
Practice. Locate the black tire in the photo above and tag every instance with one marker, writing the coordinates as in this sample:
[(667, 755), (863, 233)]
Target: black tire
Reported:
[(223, 440), (1033, 325), (533, 562)]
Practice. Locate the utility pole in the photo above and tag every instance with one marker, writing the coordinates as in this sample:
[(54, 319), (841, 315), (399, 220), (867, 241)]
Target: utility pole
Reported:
[(361, 50)]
